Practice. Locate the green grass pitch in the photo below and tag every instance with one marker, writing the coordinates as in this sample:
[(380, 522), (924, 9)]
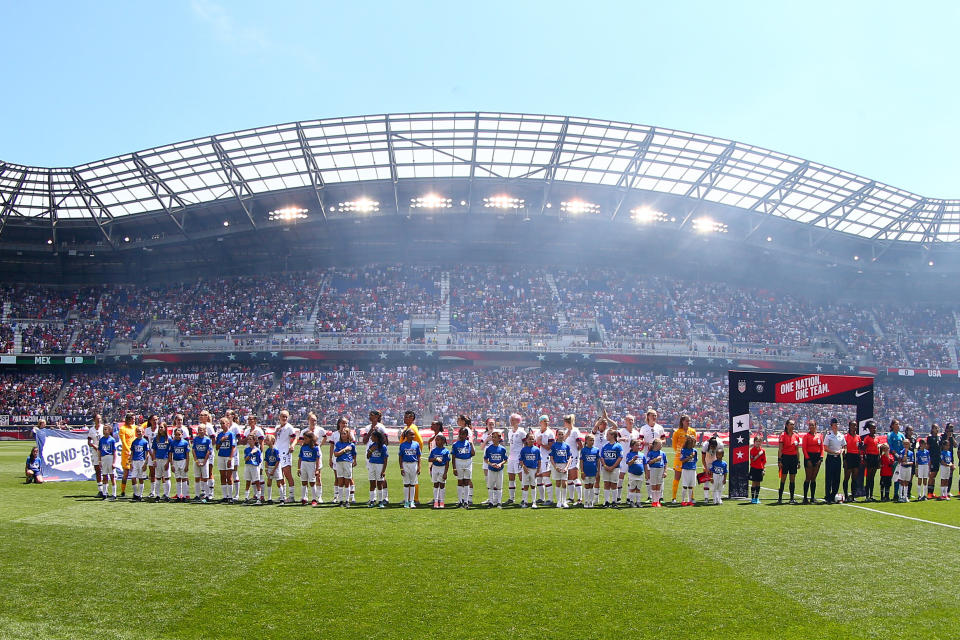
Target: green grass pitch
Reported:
[(76, 567)]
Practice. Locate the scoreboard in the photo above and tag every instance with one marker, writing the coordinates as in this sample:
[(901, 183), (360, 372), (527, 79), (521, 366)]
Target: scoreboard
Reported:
[(51, 360)]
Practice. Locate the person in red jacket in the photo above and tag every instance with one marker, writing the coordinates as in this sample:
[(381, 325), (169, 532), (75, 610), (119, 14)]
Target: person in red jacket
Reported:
[(812, 444), (851, 462), (886, 472), (758, 460), (871, 451), (788, 459)]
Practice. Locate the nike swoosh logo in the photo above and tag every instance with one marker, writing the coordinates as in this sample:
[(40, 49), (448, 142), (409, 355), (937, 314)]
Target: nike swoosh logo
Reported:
[(860, 393)]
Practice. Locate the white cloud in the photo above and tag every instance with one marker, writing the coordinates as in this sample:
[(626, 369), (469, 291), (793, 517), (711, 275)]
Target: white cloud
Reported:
[(225, 28)]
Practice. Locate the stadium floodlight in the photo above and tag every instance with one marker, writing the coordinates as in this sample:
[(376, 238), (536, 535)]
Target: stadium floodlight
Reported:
[(288, 214), (647, 215), (706, 224), (49, 241), (769, 239), (431, 201), (855, 258), (930, 264), (360, 205), (503, 202), (226, 223), (577, 207)]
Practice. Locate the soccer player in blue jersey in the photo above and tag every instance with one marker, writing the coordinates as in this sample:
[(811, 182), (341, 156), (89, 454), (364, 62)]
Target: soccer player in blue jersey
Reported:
[(589, 470), (688, 471), (463, 453), (377, 465), (160, 454), (226, 448), (611, 454), (138, 463), (439, 460), (252, 461), (560, 455), (656, 467), (529, 467), (202, 448), (409, 458), (718, 468), (271, 460), (946, 463), (495, 457), (107, 447), (345, 456), (923, 468), (636, 471), (307, 467), (907, 459), (179, 461)]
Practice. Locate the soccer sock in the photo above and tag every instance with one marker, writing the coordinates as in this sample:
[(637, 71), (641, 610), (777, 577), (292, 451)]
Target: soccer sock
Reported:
[(676, 485), (806, 486), (793, 488), (114, 485), (386, 493), (353, 493), (336, 493), (578, 488), (166, 488), (269, 492), (813, 490), (470, 494), (513, 489), (619, 489)]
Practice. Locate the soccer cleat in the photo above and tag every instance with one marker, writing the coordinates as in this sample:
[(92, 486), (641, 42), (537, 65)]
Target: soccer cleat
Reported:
[(303, 502), (510, 501), (383, 505), (413, 505), (313, 503), (533, 506), (523, 505), (442, 505)]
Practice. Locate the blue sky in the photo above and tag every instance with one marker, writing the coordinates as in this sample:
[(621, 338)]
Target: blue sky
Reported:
[(869, 87)]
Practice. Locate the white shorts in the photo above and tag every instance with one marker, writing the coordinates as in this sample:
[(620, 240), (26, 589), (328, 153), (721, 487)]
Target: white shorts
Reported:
[(557, 475), (544, 463), (436, 473), (151, 462), (308, 471), (904, 474), (224, 463), (485, 467), (495, 479), (528, 477), (374, 471), (274, 473), (923, 471), (179, 469), (634, 483), (138, 469), (344, 470), (896, 475), (95, 457), (286, 459), (464, 468), (513, 465), (688, 477), (718, 483), (409, 473), (609, 476), (201, 471), (106, 465), (656, 476), (623, 464), (163, 469), (251, 472), (574, 465)]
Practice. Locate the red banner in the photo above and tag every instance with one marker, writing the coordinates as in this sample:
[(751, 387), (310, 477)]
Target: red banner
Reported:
[(807, 388)]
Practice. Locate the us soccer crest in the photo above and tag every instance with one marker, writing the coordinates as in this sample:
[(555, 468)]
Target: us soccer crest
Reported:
[(742, 386)]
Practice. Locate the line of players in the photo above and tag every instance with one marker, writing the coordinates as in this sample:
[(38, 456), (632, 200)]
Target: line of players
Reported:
[(577, 467)]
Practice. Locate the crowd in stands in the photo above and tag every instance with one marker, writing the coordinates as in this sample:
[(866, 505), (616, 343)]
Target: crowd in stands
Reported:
[(501, 299), (485, 300), (28, 394), (164, 391), (443, 393), (377, 298)]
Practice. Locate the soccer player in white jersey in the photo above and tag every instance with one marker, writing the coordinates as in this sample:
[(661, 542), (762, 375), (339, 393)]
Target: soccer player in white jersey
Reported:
[(93, 443), (207, 429), (237, 432), (515, 438), (544, 438), (286, 437), (574, 440), (320, 439), (625, 435), (253, 429), (650, 431)]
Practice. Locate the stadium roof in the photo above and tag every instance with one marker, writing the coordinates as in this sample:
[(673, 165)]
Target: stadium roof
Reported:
[(241, 166)]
